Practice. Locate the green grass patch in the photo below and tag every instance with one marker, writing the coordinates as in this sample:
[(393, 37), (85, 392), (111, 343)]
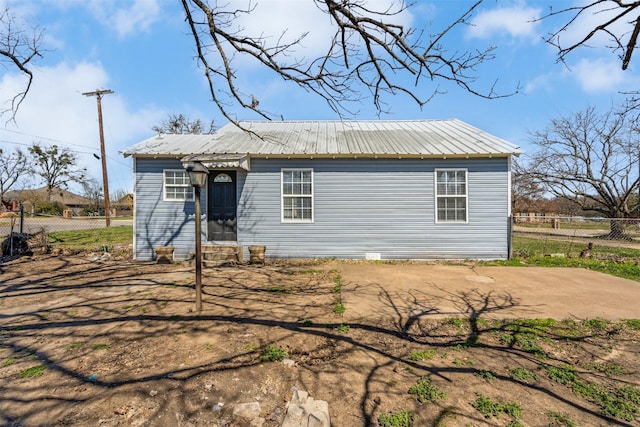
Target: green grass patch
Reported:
[(273, 354), (100, 346), (534, 247), (533, 251), (74, 346), (527, 341), (485, 374), (619, 403), (34, 371), (563, 374), (342, 328), (307, 271), (460, 362), (522, 374), (280, 289), (632, 324), (93, 239), (558, 419), (596, 323), (397, 419), (457, 321), (607, 368), (490, 408), (419, 356), (339, 309), (531, 325), (630, 393), (426, 392), (8, 362)]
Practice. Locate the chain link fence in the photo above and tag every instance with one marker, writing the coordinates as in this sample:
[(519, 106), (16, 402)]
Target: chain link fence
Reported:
[(577, 234), (17, 227)]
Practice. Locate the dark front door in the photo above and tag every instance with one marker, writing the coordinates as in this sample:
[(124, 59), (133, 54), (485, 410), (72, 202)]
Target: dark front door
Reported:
[(221, 206)]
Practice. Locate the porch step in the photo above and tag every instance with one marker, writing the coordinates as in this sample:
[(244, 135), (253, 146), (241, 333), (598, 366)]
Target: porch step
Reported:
[(213, 255)]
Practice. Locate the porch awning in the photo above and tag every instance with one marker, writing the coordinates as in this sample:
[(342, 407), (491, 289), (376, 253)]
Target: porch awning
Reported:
[(220, 161)]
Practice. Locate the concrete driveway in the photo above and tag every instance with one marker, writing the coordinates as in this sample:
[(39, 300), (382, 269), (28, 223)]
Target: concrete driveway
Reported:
[(406, 291)]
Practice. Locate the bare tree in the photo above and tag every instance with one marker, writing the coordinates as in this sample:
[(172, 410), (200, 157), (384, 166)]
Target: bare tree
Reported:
[(616, 20), (527, 194), (368, 53), (179, 124), (92, 190), (13, 165), (589, 158), (56, 166), (18, 47)]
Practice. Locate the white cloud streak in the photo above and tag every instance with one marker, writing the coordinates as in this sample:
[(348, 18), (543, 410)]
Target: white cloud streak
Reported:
[(512, 21), (599, 75)]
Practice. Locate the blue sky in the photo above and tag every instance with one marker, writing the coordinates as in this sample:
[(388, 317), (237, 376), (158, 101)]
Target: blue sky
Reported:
[(142, 50)]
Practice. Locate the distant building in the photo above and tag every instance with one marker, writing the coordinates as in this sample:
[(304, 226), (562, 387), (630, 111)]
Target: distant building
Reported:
[(29, 198)]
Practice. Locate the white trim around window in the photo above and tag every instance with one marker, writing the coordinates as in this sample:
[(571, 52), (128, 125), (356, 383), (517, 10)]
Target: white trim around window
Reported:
[(296, 195), (176, 186), (451, 195)]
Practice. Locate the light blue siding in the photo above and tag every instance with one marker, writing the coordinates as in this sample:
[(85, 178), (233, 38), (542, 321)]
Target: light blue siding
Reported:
[(383, 206), (159, 222)]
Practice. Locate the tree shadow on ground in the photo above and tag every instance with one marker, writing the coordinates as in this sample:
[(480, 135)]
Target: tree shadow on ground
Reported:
[(113, 336)]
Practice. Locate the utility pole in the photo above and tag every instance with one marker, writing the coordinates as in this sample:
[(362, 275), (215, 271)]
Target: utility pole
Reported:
[(105, 181)]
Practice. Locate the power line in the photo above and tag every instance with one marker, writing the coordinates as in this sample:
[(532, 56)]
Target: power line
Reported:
[(24, 144), (43, 137)]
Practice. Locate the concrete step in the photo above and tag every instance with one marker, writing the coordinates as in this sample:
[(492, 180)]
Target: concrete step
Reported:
[(221, 253)]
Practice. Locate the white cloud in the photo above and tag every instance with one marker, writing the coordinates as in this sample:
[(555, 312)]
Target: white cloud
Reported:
[(542, 82), (139, 16), (593, 76), (599, 75), (134, 17), (514, 21)]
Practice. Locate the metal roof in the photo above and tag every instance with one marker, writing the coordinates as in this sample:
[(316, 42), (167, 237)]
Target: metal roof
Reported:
[(424, 138)]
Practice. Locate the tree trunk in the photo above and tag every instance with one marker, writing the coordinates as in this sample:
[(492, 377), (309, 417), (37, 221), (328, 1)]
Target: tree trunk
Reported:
[(616, 229)]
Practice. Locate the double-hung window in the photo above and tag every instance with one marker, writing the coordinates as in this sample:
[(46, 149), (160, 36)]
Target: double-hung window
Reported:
[(177, 186), (297, 195), (451, 195)]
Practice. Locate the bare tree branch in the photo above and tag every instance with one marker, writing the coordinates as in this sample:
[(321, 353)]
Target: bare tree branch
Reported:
[(18, 49), (619, 20), (368, 52)]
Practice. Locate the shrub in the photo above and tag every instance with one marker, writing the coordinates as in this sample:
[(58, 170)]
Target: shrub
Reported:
[(49, 208)]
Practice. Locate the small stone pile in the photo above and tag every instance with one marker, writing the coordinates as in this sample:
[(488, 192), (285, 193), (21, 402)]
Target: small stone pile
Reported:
[(302, 411)]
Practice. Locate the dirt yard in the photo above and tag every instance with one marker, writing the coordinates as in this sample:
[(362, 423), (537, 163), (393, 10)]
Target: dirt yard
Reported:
[(91, 342)]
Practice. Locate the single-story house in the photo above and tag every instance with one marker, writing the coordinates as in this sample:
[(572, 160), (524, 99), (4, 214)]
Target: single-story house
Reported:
[(30, 197), (428, 189)]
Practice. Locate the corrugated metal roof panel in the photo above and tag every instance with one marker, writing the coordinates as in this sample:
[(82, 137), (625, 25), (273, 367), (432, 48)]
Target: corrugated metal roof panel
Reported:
[(337, 138)]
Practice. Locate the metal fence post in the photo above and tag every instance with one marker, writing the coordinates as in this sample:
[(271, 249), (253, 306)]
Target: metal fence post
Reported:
[(510, 220), (21, 218)]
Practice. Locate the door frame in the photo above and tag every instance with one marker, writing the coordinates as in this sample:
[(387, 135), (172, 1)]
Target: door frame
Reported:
[(234, 175)]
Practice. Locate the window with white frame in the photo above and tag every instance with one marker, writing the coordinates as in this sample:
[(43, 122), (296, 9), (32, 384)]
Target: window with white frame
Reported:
[(177, 186), (297, 195), (451, 195)]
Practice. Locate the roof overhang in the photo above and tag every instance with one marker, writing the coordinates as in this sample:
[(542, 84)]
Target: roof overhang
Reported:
[(220, 161)]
